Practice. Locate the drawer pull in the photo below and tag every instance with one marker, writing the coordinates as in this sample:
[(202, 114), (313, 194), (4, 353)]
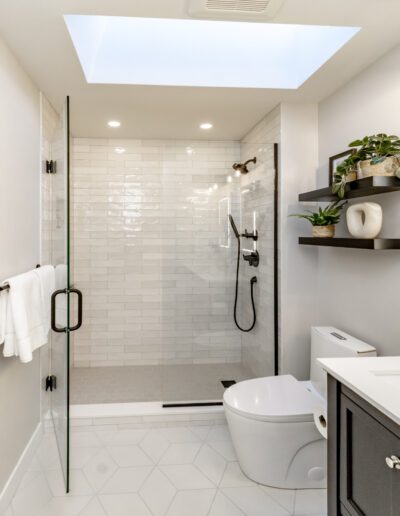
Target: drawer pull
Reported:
[(393, 462)]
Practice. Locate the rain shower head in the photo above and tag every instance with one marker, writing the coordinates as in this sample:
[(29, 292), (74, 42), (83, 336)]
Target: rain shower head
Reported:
[(242, 167)]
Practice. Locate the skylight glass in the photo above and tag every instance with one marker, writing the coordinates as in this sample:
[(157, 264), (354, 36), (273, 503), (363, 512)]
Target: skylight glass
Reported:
[(169, 52)]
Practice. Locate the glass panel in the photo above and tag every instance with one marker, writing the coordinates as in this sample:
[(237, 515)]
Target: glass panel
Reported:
[(60, 260), (201, 346)]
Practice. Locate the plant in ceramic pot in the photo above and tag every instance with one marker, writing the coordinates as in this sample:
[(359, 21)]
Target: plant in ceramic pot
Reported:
[(324, 220), (376, 155)]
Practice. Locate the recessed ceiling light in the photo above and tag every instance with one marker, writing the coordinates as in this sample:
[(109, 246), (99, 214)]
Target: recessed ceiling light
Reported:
[(203, 53), (114, 123), (229, 179), (189, 150), (206, 125), (119, 150)]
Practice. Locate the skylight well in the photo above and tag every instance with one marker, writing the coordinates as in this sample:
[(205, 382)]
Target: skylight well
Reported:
[(169, 52)]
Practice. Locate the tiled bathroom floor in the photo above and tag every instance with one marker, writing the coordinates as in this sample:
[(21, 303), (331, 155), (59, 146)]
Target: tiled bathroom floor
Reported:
[(152, 471), (152, 383)]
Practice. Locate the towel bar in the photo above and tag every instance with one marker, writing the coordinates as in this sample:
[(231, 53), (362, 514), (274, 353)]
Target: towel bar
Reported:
[(7, 287)]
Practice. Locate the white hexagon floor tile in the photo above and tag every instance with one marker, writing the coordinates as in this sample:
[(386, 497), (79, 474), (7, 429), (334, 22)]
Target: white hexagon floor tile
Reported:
[(126, 480), (129, 456), (186, 476), (222, 506), (157, 492), (154, 445), (195, 503), (93, 508), (311, 501), (100, 469), (124, 505), (179, 434), (153, 471), (181, 453), (65, 506), (211, 463), (126, 437), (253, 501)]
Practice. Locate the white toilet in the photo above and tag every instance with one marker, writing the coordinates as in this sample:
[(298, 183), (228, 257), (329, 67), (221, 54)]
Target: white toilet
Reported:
[(271, 419)]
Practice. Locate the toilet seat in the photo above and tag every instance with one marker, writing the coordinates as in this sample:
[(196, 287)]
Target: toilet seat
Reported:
[(275, 399)]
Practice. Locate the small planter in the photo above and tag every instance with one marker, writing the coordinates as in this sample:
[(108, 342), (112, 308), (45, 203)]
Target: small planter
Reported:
[(323, 231), (388, 167), (351, 176)]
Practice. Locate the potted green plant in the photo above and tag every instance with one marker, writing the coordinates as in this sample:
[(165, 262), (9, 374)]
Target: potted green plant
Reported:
[(376, 155), (324, 220)]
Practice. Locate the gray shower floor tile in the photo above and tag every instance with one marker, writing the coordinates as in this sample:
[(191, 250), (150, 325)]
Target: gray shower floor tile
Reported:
[(122, 384)]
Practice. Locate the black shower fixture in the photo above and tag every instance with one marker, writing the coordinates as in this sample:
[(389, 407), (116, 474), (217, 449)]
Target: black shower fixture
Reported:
[(253, 259), (242, 167)]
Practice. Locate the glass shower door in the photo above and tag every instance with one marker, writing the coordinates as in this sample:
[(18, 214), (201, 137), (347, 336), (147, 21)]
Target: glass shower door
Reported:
[(60, 334)]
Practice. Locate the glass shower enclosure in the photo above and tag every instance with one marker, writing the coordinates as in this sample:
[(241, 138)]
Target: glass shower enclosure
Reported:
[(203, 350), (61, 319)]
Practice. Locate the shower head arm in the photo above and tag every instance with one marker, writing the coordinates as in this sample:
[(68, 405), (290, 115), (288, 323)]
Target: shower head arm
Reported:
[(252, 160)]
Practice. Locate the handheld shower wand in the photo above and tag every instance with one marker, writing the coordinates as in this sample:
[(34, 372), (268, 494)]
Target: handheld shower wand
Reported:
[(252, 281), (235, 230)]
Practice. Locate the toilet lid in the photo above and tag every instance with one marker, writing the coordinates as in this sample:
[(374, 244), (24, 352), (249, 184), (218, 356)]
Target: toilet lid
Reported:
[(275, 398)]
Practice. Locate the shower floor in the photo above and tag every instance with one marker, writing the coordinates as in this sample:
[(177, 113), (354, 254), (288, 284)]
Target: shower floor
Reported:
[(124, 384)]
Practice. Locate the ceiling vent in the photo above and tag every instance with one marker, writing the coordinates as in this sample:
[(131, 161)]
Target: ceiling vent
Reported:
[(257, 10)]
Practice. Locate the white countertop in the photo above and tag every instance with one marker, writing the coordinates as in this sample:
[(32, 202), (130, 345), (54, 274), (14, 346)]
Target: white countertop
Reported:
[(376, 379)]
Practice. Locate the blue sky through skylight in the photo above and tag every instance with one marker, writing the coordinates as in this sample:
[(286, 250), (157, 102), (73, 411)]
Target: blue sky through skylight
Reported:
[(171, 52)]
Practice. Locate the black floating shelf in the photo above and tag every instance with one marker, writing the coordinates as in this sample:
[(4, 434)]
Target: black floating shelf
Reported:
[(360, 188), (377, 244)]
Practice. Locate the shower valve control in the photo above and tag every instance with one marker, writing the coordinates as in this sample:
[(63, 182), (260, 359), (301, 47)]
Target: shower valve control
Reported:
[(253, 259), (254, 235)]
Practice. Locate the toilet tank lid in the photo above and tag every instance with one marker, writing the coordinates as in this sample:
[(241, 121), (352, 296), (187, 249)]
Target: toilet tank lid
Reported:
[(342, 338)]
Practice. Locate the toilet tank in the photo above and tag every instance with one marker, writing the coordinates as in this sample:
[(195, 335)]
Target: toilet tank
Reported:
[(329, 342)]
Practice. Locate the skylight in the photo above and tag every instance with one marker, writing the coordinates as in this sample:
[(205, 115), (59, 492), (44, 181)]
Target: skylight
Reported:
[(169, 52)]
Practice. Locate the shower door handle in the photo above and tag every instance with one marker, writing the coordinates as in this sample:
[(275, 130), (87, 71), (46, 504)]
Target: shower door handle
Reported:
[(54, 326), (80, 308)]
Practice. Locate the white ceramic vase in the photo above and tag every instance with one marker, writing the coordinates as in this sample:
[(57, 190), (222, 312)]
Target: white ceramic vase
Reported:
[(364, 220)]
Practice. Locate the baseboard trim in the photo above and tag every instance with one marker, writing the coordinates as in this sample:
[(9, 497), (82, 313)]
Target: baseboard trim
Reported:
[(20, 468)]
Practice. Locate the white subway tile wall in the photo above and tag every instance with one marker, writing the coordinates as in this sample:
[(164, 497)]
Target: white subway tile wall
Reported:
[(154, 255), (257, 206), (158, 286)]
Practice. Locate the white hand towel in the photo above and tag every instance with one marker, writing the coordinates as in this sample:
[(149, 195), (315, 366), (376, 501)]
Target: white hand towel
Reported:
[(47, 279), (3, 314), (25, 325)]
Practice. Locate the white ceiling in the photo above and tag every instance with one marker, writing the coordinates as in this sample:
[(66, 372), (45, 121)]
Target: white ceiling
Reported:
[(35, 31)]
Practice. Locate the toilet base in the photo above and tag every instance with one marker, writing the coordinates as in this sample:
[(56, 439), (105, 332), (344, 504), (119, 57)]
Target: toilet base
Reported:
[(288, 455)]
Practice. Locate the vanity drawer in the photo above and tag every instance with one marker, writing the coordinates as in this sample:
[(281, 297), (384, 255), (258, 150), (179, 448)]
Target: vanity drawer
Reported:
[(369, 480)]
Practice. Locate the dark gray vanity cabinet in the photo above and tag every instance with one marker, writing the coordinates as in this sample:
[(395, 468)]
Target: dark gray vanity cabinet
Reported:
[(363, 450)]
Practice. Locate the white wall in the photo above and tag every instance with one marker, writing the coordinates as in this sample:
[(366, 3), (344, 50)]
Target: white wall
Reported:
[(358, 291), (298, 163), (19, 246)]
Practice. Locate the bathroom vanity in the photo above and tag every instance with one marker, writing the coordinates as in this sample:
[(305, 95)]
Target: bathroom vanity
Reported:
[(363, 436)]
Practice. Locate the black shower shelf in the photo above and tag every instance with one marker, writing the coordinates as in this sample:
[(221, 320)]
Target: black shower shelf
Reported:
[(377, 244), (361, 188)]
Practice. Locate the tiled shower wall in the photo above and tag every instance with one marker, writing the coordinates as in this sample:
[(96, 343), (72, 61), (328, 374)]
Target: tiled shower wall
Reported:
[(257, 204), (157, 283)]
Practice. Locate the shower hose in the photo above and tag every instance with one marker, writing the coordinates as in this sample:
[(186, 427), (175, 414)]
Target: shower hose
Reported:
[(252, 281)]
